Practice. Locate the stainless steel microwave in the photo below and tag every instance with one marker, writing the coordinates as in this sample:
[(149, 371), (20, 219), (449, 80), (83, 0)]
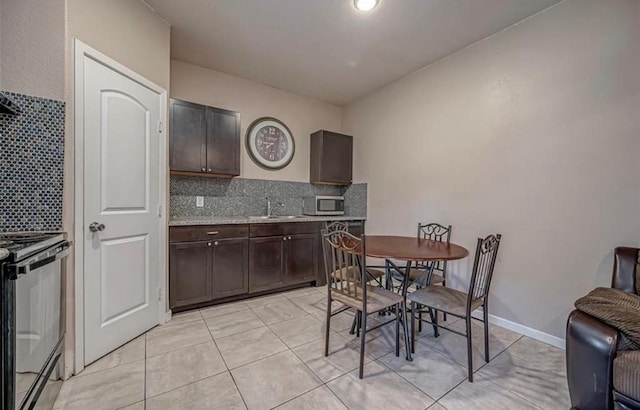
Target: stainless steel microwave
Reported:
[(324, 205)]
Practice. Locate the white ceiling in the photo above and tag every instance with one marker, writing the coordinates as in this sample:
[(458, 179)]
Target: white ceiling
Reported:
[(325, 48)]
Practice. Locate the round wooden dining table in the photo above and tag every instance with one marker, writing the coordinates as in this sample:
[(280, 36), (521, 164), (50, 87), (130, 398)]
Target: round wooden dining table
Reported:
[(412, 249)]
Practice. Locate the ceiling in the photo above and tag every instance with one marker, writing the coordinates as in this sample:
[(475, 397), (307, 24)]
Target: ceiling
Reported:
[(326, 48)]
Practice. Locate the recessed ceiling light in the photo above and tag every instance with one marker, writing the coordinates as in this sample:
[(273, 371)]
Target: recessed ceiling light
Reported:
[(366, 5)]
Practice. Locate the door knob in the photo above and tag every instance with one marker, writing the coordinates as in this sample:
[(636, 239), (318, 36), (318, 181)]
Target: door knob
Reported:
[(96, 227)]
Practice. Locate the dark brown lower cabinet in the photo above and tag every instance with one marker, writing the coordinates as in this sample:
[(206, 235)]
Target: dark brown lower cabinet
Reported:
[(230, 267), (226, 262), (301, 258), (190, 279), (266, 263)]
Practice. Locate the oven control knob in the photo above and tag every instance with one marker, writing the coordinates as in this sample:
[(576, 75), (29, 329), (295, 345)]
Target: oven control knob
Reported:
[(96, 227)]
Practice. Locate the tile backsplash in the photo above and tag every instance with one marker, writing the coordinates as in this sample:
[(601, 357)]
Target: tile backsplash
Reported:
[(245, 197), (31, 165)]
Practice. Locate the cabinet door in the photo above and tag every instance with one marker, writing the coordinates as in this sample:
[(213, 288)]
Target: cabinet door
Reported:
[(301, 258), (230, 267), (188, 138), (337, 153), (266, 270), (190, 273), (223, 141)]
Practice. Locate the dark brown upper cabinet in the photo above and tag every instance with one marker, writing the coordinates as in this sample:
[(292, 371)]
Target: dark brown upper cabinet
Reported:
[(331, 158), (204, 140)]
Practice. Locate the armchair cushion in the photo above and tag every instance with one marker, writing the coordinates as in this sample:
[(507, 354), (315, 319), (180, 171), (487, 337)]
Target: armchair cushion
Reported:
[(626, 374), (616, 308)]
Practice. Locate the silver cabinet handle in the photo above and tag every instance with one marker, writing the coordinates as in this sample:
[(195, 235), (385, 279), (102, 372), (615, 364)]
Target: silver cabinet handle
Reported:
[(96, 227), (289, 238), (284, 238), (204, 169), (216, 243), (209, 170), (212, 233), (208, 243)]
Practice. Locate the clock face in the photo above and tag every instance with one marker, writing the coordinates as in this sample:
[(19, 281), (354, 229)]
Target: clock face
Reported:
[(270, 143)]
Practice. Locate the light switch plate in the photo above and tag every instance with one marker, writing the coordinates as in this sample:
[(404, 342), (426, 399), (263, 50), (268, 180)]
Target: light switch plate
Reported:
[(199, 202)]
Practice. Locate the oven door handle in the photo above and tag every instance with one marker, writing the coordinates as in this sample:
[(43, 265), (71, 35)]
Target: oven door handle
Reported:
[(39, 260)]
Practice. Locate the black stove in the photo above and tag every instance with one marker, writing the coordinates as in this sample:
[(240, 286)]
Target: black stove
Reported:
[(31, 313), (24, 244)]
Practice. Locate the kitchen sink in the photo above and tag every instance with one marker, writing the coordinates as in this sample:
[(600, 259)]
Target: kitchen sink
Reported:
[(263, 217)]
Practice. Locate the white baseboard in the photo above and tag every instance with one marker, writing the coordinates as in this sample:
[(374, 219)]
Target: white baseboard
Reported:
[(524, 330)]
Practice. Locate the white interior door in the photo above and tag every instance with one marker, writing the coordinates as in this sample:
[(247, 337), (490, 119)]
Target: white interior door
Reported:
[(121, 198)]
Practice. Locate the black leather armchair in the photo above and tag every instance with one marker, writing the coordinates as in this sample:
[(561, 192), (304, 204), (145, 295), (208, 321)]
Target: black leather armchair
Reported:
[(600, 375)]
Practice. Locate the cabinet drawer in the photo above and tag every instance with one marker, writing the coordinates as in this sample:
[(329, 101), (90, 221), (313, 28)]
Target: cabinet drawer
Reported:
[(276, 229), (207, 232)]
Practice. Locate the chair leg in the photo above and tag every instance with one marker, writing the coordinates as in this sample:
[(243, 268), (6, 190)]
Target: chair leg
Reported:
[(444, 283), (397, 330), (413, 327), (327, 326), (419, 307), (485, 312), (358, 323), (353, 324), (433, 315), (405, 329), (469, 348), (362, 339)]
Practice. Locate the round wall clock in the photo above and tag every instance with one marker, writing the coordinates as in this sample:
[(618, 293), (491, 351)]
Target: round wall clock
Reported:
[(270, 143)]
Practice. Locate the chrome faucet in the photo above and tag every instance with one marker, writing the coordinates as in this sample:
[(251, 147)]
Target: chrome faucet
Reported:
[(270, 207)]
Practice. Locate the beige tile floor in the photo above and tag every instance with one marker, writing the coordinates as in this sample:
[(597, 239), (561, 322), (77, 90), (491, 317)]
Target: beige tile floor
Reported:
[(267, 353)]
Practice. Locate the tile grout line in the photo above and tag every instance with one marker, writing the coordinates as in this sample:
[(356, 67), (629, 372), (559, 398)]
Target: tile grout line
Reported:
[(515, 394), (296, 356), (325, 384), (183, 348), (144, 394), (233, 379)]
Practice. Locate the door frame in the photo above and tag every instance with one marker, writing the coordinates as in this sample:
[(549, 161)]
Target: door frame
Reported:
[(81, 50)]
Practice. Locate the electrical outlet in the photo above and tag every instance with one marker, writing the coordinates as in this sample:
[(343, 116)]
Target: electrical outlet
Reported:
[(199, 202)]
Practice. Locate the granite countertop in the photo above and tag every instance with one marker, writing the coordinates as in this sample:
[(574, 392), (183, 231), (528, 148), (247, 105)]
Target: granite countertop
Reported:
[(3, 253), (237, 220)]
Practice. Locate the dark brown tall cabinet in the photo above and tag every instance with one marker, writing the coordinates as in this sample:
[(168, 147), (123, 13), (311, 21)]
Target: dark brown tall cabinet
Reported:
[(331, 158), (204, 140)]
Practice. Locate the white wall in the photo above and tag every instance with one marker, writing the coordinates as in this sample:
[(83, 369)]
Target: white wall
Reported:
[(303, 115), (32, 47), (533, 133), (125, 30)]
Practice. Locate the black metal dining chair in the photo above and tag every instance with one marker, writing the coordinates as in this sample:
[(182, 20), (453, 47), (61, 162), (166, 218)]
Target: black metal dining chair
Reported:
[(420, 272), (434, 272), (460, 304), (374, 274), (345, 269)]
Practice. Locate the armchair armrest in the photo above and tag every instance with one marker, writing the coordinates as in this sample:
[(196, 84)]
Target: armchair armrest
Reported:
[(591, 348), (625, 265)]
